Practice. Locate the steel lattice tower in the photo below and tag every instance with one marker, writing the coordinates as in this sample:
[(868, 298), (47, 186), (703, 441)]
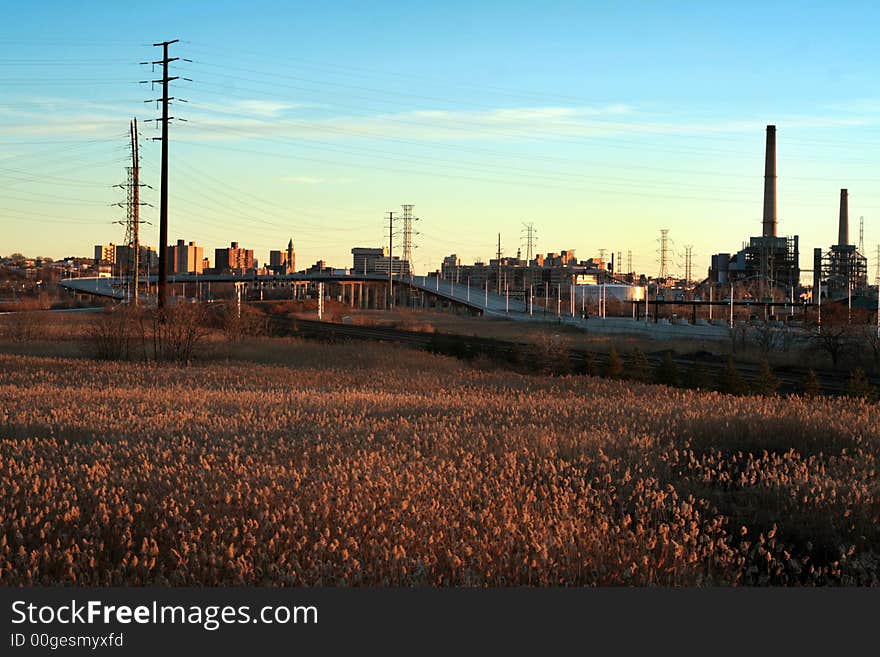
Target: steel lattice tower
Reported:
[(130, 266), (530, 239), (664, 254), (407, 235), (688, 262)]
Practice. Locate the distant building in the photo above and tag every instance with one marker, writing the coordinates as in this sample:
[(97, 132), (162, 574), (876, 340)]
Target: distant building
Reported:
[(518, 276), (185, 258), (234, 260), (364, 259), (282, 262), (105, 253), (367, 260), (320, 267), (148, 259), (450, 265)]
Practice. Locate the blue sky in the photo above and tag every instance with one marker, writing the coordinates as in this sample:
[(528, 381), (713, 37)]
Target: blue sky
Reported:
[(600, 122)]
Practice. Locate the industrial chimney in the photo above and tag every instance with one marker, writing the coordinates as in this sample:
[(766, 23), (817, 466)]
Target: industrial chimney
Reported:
[(843, 225), (770, 184)]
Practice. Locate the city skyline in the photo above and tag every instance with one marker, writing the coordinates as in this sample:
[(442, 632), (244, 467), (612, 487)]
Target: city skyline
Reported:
[(601, 124)]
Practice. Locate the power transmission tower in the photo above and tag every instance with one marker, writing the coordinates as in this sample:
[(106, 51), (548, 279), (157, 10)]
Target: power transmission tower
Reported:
[(602, 254), (530, 239), (664, 254), (688, 262), (163, 190), (877, 273), (408, 220), (132, 220), (862, 235), (619, 263), (629, 262)]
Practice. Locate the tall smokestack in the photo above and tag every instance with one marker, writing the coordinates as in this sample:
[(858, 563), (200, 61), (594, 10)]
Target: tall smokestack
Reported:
[(770, 183), (843, 225)]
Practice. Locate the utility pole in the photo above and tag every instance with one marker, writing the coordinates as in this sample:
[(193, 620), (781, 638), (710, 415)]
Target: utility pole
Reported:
[(134, 212), (390, 252), (498, 257), (163, 190)]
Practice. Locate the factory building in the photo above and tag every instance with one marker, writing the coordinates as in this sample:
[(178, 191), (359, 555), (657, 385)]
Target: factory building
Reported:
[(842, 270), (768, 261)]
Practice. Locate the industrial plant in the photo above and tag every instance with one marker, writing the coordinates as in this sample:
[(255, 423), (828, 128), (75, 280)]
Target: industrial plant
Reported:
[(841, 271), (770, 263), (769, 260)]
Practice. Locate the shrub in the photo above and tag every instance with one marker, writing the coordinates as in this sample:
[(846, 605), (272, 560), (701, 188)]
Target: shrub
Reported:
[(666, 372), (730, 380), (614, 366), (116, 334), (698, 377), (549, 355), (859, 386), (811, 385), (766, 382), (637, 367), (129, 332)]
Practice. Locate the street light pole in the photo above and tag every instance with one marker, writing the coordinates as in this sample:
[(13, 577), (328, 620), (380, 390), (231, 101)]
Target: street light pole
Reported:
[(731, 304)]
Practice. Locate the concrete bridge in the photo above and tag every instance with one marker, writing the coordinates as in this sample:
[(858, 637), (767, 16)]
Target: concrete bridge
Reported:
[(355, 290), (371, 291)]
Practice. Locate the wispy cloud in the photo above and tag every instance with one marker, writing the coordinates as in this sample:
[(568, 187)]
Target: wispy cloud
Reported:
[(303, 180), (262, 119), (503, 124), (247, 108)]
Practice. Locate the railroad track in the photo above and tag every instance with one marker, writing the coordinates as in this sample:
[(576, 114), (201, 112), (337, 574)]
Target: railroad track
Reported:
[(791, 379)]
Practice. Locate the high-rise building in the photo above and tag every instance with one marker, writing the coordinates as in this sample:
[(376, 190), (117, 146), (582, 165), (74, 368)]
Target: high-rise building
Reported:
[(234, 259), (282, 262), (148, 259), (105, 253), (364, 259), (185, 258)]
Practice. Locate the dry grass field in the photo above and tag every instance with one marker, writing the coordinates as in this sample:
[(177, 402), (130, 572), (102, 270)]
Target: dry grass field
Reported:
[(366, 464)]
